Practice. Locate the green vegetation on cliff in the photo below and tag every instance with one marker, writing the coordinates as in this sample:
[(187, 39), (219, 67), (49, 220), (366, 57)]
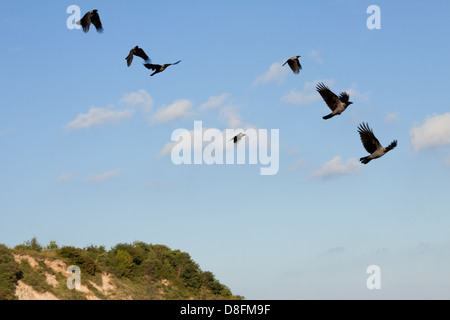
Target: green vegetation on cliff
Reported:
[(135, 271)]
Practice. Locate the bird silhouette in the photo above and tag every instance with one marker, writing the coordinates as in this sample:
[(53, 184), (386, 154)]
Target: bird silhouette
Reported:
[(138, 52), (237, 138), (294, 63), (91, 17), (335, 103), (159, 68), (372, 145)]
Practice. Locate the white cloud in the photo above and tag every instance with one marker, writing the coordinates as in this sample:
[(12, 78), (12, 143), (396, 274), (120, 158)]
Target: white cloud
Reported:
[(301, 163), (214, 102), (231, 116), (277, 73), (65, 177), (434, 132), (315, 55), (104, 176), (141, 98), (293, 151), (178, 109), (336, 167), (308, 94), (167, 149), (356, 95), (392, 117), (99, 116)]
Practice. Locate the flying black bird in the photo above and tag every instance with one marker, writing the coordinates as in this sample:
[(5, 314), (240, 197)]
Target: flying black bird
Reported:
[(138, 52), (372, 145), (91, 17), (159, 68), (335, 103), (238, 137), (294, 64)]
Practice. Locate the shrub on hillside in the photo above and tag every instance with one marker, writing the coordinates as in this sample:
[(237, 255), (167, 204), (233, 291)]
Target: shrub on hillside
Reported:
[(78, 257), (9, 274)]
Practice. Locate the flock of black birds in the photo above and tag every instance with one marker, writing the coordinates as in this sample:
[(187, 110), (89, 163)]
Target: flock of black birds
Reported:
[(337, 104), (92, 17)]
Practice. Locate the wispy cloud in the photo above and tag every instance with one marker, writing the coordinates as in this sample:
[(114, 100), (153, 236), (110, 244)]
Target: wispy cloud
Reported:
[(336, 167), (232, 117), (178, 109), (300, 164), (140, 99), (103, 176), (167, 149), (64, 177), (276, 73), (357, 95), (292, 151), (315, 56), (392, 117), (433, 133), (333, 250), (98, 116), (4, 132), (187, 135), (214, 102), (308, 94)]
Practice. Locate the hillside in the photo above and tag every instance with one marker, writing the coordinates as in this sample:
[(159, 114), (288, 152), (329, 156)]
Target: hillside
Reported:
[(137, 271)]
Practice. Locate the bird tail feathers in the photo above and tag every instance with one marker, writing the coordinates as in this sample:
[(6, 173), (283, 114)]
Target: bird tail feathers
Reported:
[(328, 116), (365, 160)]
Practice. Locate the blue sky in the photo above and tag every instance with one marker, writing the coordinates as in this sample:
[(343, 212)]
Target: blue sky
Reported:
[(84, 138)]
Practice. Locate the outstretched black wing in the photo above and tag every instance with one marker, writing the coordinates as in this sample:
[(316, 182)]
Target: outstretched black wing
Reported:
[(85, 22), (328, 96), (95, 19), (391, 146), (136, 51), (344, 97), (129, 58), (139, 52), (152, 66), (368, 139)]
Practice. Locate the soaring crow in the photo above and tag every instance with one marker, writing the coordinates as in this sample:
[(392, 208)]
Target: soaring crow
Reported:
[(372, 145), (91, 17), (159, 68), (138, 52), (335, 103), (294, 64), (238, 137)]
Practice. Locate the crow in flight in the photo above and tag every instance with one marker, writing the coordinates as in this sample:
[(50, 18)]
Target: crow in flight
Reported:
[(238, 137), (335, 103), (372, 145), (138, 52), (294, 64), (159, 68), (91, 17)]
